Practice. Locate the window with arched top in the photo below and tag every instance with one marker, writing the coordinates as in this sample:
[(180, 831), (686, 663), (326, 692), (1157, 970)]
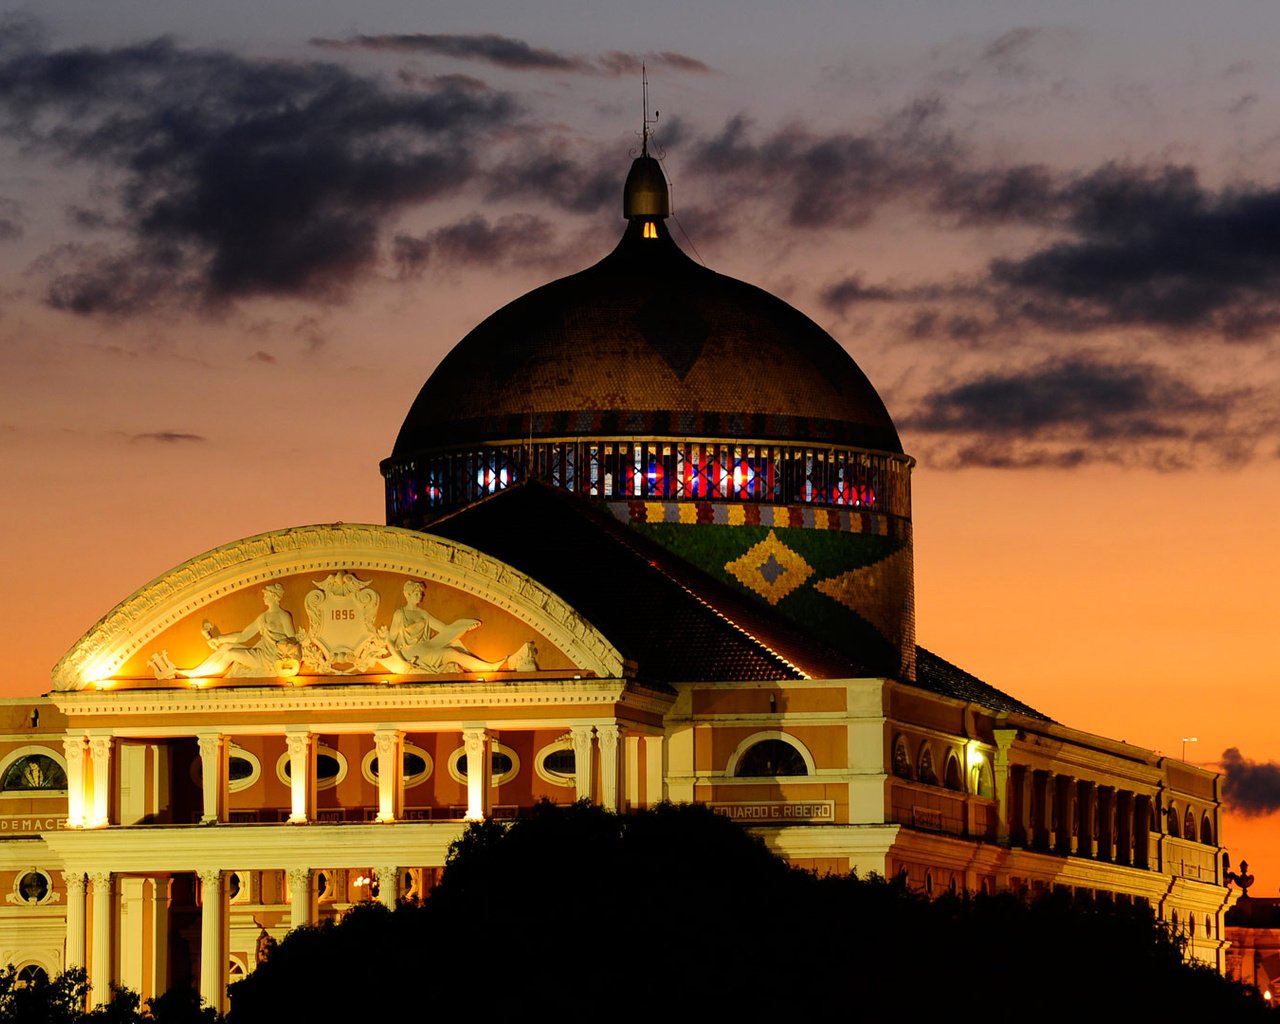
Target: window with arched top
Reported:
[(770, 754), (1206, 831), (32, 974), (32, 770), (1189, 825), (770, 759), (1173, 826), (925, 771), (980, 779), (951, 776), (901, 759)]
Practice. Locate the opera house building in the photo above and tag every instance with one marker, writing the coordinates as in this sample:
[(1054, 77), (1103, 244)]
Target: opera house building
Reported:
[(648, 538)]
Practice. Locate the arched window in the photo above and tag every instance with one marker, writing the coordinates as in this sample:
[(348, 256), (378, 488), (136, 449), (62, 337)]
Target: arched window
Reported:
[(925, 772), (1206, 831), (771, 758), (33, 770), (1189, 825), (901, 759), (32, 974), (1172, 818), (980, 779), (952, 775)]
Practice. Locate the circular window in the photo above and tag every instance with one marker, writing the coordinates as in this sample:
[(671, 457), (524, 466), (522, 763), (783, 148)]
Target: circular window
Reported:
[(417, 766), (557, 764), (331, 768), (33, 887), (504, 765)]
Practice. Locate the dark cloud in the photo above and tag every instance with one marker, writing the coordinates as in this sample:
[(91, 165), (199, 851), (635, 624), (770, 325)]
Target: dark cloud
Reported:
[(515, 54), (237, 177), (513, 240), (1155, 247), (829, 179), (505, 52), (10, 219), (168, 437), (1250, 788), (1067, 412), (555, 174), (850, 291)]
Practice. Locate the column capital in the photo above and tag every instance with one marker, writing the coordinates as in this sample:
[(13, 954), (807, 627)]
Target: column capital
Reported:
[(298, 743), (74, 881), (100, 879), (211, 876), (74, 746), (100, 746), (474, 738), (610, 731), (299, 876), (210, 742), (385, 740)]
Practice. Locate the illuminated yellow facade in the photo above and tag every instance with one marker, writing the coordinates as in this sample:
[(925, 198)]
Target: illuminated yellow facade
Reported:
[(685, 603)]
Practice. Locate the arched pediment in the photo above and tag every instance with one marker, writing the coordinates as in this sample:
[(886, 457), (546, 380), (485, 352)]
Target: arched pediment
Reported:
[(336, 600)]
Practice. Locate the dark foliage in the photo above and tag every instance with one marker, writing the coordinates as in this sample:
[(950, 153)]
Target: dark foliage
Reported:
[(62, 1000), (678, 913)]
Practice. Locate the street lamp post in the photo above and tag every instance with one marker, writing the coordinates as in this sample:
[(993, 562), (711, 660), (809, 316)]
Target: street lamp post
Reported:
[(1185, 741)]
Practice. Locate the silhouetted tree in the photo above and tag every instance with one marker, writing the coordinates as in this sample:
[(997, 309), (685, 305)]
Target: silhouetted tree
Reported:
[(678, 913)]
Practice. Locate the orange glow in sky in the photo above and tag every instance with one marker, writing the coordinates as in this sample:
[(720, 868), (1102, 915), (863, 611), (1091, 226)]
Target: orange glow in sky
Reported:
[(1051, 244)]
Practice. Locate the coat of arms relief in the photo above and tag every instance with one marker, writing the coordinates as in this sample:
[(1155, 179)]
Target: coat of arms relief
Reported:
[(343, 637)]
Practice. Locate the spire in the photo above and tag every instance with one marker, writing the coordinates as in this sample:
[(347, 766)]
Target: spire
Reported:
[(645, 195)]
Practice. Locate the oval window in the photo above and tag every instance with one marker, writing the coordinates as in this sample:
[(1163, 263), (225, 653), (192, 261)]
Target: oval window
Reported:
[(331, 768), (557, 764), (504, 764)]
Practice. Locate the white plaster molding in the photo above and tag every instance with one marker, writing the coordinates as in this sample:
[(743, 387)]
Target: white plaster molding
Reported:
[(328, 548)]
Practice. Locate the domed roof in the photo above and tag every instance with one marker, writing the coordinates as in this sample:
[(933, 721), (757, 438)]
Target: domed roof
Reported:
[(647, 343)]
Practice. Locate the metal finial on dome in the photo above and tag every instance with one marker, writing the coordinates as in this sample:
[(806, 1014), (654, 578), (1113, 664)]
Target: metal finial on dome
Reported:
[(645, 195)]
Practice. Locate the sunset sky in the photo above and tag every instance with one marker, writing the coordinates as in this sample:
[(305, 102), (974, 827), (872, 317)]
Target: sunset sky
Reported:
[(235, 238)]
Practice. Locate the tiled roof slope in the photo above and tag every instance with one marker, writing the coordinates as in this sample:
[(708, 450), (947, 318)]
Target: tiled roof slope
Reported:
[(940, 676), (673, 621)]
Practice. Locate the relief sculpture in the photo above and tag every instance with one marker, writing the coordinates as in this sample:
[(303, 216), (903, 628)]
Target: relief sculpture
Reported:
[(234, 656), (343, 638)]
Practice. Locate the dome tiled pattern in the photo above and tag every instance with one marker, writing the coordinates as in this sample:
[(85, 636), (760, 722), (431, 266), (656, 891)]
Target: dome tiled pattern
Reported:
[(707, 415), (647, 342)]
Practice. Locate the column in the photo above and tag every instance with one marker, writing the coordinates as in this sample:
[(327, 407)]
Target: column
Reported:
[(631, 772), (1141, 831), (1063, 791), (1040, 797), (99, 810), (609, 737), (131, 932), (478, 743), (158, 894), (302, 774), (583, 768), (1124, 827), (74, 881), (301, 897), (1085, 796), (213, 949), (1000, 779), (1016, 817), (389, 884), (389, 743), (1106, 822), (73, 748), (100, 952), (654, 791), (214, 771)]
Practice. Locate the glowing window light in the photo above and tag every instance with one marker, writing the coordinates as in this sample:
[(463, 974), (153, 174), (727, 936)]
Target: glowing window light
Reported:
[(650, 229), (492, 478)]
